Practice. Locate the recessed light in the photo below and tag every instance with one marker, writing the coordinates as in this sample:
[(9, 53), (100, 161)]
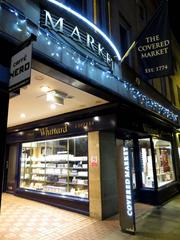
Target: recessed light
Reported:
[(45, 89), (23, 115), (96, 118), (53, 106), (39, 77), (36, 129)]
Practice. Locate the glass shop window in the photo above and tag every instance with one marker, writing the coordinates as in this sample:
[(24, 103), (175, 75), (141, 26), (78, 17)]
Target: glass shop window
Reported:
[(146, 163), (57, 166), (78, 5), (164, 164)]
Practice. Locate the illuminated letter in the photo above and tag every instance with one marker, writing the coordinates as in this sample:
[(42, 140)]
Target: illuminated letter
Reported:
[(54, 25), (77, 34), (90, 42), (108, 59), (100, 50)]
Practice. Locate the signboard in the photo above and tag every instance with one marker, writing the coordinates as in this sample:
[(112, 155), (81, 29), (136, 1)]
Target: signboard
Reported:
[(64, 129), (93, 161), (154, 46), (127, 214), (21, 68)]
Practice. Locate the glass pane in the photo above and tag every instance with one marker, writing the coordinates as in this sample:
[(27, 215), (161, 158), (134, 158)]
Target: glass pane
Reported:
[(164, 165), (146, 163), (56, 166)]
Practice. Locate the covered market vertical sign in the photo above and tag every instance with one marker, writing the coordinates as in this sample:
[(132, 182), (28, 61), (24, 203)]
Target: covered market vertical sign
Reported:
[(126, 198)]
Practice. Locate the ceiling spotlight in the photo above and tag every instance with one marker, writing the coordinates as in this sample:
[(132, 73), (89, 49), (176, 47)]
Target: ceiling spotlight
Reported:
[(55, 97), (45, 89), (23, 115), (53, 106), (96, 118)]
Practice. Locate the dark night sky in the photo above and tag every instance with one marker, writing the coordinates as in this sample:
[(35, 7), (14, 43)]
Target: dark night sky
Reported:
[(174, 16)]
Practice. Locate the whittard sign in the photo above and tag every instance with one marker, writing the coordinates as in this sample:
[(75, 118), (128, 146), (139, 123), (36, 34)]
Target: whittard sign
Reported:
[(86, 41)]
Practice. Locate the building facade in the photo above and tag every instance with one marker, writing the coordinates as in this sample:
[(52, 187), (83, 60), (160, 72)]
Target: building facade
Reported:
[(72, 157)]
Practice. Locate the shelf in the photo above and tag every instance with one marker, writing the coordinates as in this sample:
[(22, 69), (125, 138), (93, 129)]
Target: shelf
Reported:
[(75, 160), (83, 184), (61, 183)]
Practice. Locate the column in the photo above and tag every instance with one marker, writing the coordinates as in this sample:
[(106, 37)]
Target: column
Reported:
[(4, 101), (103, 195)]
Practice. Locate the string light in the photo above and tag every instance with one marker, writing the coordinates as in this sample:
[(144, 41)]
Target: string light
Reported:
[(80, 61)]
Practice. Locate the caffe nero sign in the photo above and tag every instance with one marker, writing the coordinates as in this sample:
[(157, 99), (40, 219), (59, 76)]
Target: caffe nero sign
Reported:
[(74, 34)]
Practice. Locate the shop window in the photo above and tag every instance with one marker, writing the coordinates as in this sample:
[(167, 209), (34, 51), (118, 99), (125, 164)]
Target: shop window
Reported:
[(102, 14), (163, 160), (142, 11), (57, 166), (178, 90), (146, 163), (78, 5), (124, 32)]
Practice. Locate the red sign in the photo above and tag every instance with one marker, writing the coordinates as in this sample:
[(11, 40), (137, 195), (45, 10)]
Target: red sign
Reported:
[(93, 161)]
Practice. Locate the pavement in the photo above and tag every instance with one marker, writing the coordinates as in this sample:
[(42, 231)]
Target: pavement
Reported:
[(22, 219)]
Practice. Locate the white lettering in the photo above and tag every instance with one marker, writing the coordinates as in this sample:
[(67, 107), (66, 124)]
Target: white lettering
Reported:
[(76, 35), (128, 194), (54, 26), (90, 42)]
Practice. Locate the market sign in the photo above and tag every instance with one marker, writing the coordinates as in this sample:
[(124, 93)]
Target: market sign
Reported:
[(21, 68), (127, 214), (80, 34)]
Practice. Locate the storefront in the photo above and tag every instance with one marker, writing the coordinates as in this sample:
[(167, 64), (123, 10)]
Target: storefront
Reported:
[(70, 160), (56, 164)]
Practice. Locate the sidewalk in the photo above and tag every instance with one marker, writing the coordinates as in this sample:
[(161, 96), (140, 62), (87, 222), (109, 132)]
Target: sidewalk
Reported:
[(23, 219)]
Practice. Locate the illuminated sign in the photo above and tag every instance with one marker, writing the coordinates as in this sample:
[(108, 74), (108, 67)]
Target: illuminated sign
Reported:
[(21, 68), (128, 192), (89, 24), (61, 26), (126, 201)]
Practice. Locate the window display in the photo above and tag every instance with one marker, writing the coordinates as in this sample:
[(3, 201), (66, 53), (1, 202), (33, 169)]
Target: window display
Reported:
[(164, 165), (56, 166), (146, 163)]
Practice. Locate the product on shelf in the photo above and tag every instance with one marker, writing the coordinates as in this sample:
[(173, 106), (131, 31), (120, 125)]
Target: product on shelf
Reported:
[(56, 166)]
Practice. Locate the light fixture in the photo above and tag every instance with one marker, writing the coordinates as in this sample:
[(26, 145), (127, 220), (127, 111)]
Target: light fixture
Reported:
[(23, 115), (53, 106), (45, 89), (96, 118), (56, 97)]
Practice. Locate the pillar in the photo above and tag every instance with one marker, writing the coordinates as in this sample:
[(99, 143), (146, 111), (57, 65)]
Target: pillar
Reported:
[(103, 195), (4, 101)]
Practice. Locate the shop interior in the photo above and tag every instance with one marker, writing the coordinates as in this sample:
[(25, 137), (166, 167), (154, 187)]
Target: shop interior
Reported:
[(60, 165)]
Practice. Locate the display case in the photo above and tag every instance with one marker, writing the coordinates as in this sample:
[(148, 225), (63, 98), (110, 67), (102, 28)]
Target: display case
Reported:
[(163, 160), (163, 166), (58, 166), (146, 163)]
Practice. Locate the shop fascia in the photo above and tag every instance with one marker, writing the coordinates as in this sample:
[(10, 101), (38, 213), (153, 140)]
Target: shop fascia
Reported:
[(84, 39)]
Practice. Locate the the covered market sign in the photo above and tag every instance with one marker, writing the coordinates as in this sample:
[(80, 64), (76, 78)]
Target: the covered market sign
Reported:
[(82, 32)]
